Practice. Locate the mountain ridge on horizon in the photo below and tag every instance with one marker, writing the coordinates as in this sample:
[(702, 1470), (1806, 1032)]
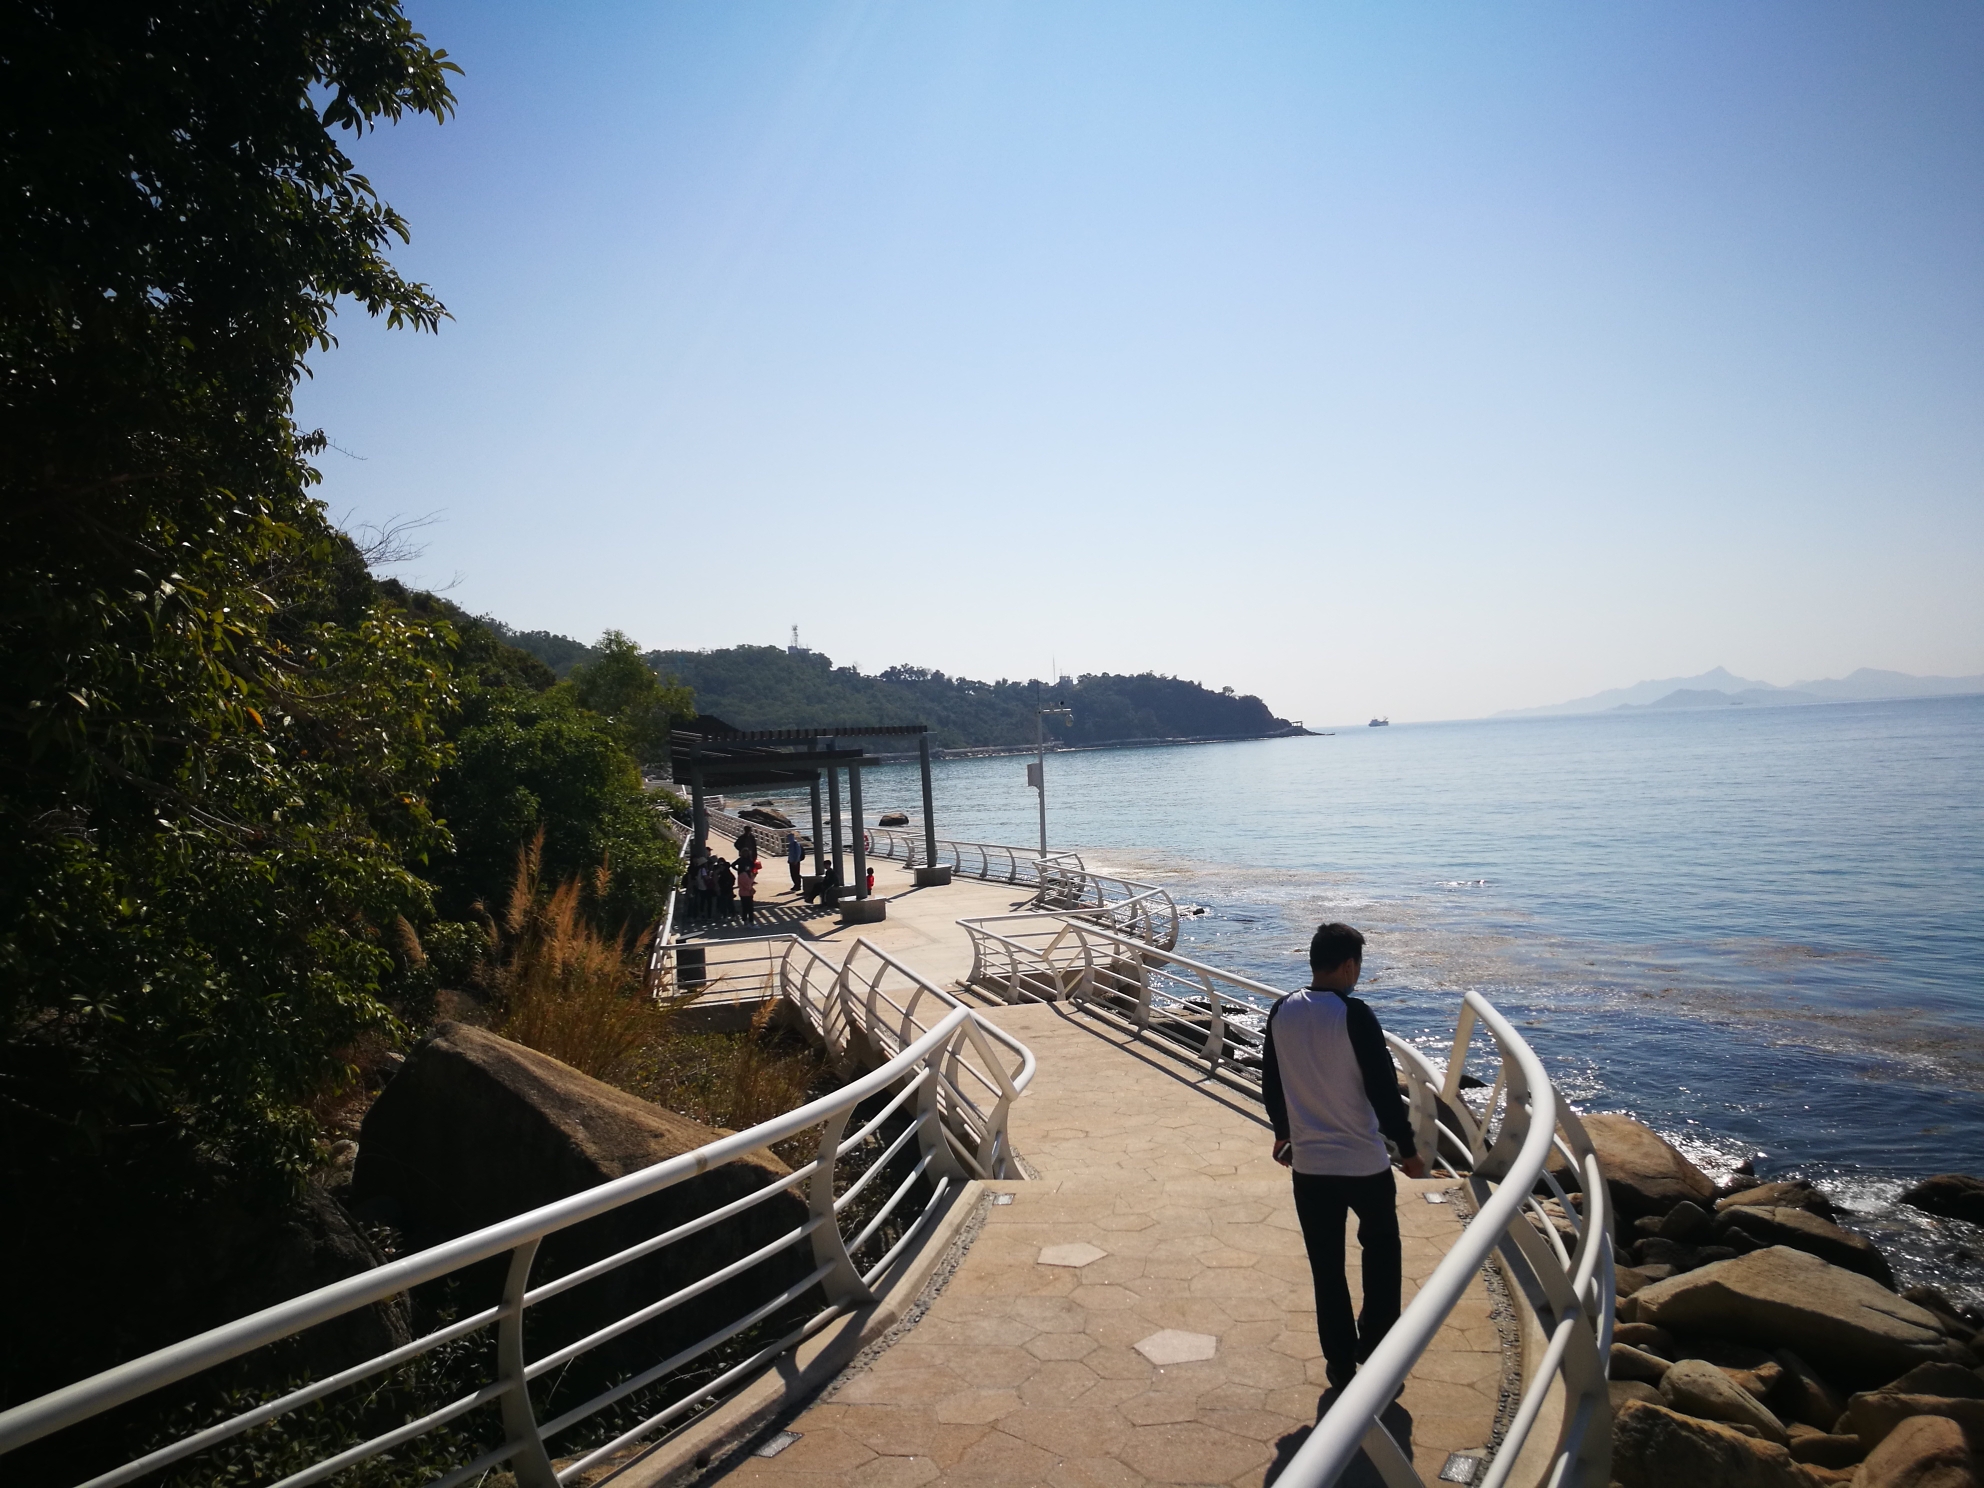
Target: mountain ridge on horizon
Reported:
[(1866, 684)]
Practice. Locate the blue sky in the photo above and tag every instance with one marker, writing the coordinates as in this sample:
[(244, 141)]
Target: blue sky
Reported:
[(1419, 359)]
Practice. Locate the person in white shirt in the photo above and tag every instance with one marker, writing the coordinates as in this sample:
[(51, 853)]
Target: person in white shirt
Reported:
[(1332, 1095)]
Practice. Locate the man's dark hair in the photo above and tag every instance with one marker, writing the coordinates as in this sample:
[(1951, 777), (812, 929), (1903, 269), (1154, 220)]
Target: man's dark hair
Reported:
[(1334, 944)]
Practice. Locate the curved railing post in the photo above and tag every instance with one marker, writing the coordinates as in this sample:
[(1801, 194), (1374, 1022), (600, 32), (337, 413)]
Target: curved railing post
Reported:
[(936, 1148), (530, 1463), (842, 1283)]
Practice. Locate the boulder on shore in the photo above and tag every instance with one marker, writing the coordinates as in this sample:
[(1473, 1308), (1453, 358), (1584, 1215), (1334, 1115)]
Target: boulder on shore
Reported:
[(1686, 1222), (1646, 1337), (1952, 1380), (109, 1271), (1875, 1415), (1922, 1452), (1697, 1388), (1802, 1230), (1954, 1322), (1852, 1328), (1627, 1280), (1824, 1449), (893, 819), (475, 1129), (766, 816), (1803, 1396), (1653, 1447), (1629, 1363), (1790, 1193), (1644, 1173), (1620, 1391), (1952, 1195)]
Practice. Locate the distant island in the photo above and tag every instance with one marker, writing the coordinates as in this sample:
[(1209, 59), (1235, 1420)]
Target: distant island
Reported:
[(777, 687), (1722, 689)]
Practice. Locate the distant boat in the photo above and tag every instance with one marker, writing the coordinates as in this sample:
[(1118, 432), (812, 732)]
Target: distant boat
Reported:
[(1381, 723)]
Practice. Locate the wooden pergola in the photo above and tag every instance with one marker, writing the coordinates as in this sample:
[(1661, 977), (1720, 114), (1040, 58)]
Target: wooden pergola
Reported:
[(711, 753)]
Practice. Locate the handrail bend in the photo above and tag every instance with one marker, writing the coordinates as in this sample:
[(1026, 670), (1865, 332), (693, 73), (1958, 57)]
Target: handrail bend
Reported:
[(1142, 911), (954, 1077), (1503, 1150), (992, 861)]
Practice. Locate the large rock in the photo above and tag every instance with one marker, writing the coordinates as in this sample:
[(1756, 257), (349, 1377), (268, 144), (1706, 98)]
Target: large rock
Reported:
[(1790, 1193), (1947, 1313), (113, 1271), (1939, 1379), (1648, 1338), (1874, 1416), (1802, 1230), (1824, 1449), (1853, 1329), (1696, 1387), (1620, 1391), (1804, 1396), (1922, 1452), (1629, 1363), (1952, 1195), (475, 1129), (1643, 1172), (766, 816), (1653, 1447)]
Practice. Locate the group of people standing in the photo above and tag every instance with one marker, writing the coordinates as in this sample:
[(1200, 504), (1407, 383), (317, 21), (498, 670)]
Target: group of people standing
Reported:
[(720, 889)]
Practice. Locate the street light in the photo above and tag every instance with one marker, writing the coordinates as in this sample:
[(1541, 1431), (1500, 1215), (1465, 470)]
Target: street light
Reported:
[(1036, 773)]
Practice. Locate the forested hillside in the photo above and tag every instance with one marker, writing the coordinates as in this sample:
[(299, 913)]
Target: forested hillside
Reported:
[(260, 811), (769, 687)]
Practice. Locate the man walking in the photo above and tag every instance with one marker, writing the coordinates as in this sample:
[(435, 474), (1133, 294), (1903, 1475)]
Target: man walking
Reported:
[(1331, 1092), (795, 854)]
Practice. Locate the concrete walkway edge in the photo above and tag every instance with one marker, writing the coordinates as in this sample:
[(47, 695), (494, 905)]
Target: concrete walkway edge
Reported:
[(798, 1376)]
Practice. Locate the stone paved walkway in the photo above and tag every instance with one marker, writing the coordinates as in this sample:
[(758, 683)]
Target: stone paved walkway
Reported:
[(1139, 1314)]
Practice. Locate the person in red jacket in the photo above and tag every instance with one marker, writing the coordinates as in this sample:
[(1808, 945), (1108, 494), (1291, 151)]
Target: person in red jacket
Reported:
[(747, 891)]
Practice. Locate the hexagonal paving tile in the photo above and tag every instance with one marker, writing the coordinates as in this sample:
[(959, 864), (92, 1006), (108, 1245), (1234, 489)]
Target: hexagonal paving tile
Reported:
[(1181, 1353), (1079, 1254), (1175, 1346)]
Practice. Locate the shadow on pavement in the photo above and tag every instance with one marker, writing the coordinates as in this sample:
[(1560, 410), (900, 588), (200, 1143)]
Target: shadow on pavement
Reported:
[(1361, 1473)]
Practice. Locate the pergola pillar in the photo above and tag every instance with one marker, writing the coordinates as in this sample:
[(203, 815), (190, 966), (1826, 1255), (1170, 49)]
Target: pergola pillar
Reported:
[(929, 874)]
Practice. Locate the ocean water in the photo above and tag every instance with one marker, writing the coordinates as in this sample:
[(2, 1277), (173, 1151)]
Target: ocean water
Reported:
[(1759, 930)]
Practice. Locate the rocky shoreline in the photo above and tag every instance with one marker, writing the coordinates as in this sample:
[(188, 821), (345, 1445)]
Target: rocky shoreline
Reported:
[(1759, 1344)]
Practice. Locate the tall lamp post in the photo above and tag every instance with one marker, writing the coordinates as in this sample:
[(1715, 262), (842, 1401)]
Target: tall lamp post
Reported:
[(1036, 772)]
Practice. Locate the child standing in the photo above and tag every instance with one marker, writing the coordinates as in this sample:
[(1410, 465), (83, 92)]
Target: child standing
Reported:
[(747, 891)]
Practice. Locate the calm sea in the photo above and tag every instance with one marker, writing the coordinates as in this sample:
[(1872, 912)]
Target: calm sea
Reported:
[(1759, 930)]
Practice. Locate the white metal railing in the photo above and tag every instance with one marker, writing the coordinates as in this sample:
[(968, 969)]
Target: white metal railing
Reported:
[(1503, 1150), (866, 1008), (992, 861), (948, 1077), (732, 826), (1142, 911)]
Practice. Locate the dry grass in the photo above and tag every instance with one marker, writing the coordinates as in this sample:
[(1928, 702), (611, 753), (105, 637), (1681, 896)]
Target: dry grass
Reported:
[(734, 1080), (568, 991)]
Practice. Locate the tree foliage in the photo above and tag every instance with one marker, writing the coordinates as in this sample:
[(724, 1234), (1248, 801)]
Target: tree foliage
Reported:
[(622, 688), (526, 763), (215, 734), (768, 687)]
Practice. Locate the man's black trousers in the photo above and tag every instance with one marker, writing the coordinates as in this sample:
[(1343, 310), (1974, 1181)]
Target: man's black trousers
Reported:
[(1322, 1204)]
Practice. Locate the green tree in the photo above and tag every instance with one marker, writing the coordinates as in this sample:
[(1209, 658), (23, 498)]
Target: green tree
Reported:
[(622, 688), (215, 735), (526, 762)]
